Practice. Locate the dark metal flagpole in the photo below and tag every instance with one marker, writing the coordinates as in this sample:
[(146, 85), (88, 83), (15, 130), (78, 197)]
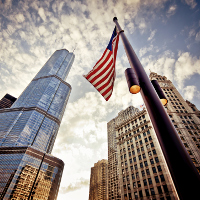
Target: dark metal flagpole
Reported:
[(184, 174)]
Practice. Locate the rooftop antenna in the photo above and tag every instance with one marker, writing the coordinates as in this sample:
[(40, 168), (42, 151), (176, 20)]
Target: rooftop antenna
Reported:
[(74, 48)]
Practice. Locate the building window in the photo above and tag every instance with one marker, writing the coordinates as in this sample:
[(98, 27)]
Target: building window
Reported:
[(132, 146), (150, 138), (154, 151), (124, 188), (147, 192), (159, 189), (142, 148), (140, 157), (130, 161), (139, 184), (152, 145), (140, 141), (140, 193), (141, 165), (131, 168), (133, 176), (165, 188), (145, 182), (126, 163), (144, 134), (152, 191), (145, 140), (134, 159), (136, 195), (127, 178), (149, 153), (128, 186), (150, 181), (159, 168), (138, 150), (133, 153), (129, 154), (162, 178), (134, 185), (148, 132), (154, 170), (124, 156), (152, 162), (124, 179), (145, 163), (147, 171), (135, 167), (156, 179), (143, 173), (148, 146), (129, 148), (143, 155), (156, 159)]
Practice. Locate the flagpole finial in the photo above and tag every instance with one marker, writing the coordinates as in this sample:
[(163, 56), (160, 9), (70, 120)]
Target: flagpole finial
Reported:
[(115, 18)]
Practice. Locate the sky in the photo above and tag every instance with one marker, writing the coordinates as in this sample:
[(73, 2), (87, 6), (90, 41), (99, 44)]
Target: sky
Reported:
[(165, 35)]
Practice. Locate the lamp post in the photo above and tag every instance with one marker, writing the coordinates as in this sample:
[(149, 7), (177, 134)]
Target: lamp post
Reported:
[(182, 169)]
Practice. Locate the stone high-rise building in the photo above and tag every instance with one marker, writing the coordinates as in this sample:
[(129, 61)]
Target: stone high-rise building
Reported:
[(28, 130), (136, 165), (98, 181), (185, 117)]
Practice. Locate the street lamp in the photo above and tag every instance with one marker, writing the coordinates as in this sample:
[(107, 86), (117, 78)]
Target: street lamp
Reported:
[(132, 81), (177, 158)]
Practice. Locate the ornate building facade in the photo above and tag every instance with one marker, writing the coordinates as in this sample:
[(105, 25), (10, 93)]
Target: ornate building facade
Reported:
[(185, 117), (98, 181), (136, 165), (32, 123)]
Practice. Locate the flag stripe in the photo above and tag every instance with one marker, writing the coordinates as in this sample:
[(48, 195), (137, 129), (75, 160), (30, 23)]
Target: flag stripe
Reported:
[(102, 76)]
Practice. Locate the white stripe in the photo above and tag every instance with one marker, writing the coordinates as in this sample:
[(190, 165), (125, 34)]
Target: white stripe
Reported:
[(102, 91), (102, 60), (105, 80), (100, 70), (110, 92), (103, 75)]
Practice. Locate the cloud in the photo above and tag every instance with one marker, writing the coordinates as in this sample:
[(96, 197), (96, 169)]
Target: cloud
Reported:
[(197, 38), (72, 187), (185, 67), (171, 11), (189, 92), (152, 35), (191, 3)]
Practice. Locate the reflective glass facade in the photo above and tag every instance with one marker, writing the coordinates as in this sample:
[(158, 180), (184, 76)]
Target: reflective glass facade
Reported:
[(35, 117), (28, 130), (27, 173)]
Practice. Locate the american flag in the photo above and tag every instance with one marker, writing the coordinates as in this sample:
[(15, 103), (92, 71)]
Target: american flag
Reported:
[(102, 76)]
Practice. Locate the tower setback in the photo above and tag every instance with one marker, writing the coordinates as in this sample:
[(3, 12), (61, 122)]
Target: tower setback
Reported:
[(28, 130)]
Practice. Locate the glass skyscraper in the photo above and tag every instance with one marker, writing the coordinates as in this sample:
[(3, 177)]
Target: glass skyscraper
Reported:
[(28, 130)]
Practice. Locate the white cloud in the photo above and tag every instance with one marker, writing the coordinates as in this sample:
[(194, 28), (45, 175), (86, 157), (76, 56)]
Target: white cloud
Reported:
[(171, 11), (42, 14), (197, 38), (191, 3), (189, 92), (152, 35), (185, 67)]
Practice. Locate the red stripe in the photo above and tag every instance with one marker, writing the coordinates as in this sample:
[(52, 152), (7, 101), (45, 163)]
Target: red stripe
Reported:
[(109, 80), (108, 68), (98, 61), (94, 71)]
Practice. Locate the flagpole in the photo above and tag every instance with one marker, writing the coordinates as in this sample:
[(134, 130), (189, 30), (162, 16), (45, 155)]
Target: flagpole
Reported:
[(184, 174)]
